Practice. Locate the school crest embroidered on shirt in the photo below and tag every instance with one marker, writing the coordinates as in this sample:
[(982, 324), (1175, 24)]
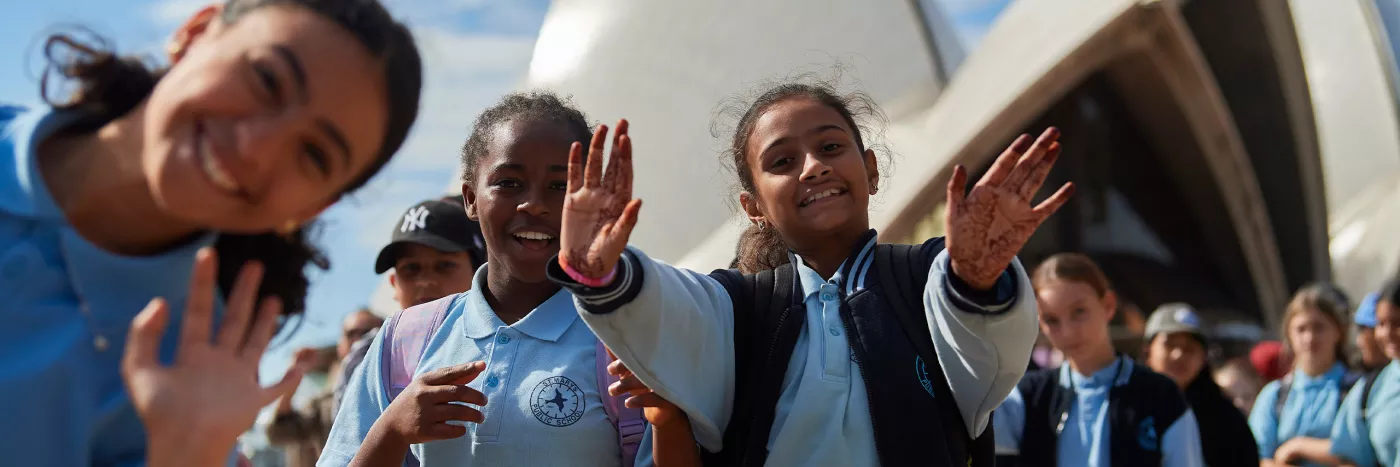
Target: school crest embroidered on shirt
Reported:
[(922, 373), (557, 401), (1147, 434)]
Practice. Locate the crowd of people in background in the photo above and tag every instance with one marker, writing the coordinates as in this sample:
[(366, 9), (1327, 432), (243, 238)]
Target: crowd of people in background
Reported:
[(155, 228)]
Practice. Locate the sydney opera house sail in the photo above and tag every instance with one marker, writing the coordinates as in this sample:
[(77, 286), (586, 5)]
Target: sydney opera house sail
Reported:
[(1220, 147)]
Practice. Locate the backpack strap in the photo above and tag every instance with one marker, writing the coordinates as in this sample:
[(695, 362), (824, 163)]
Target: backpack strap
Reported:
[(629, 422), (1284, 385), (406, 336), (1366, 386)]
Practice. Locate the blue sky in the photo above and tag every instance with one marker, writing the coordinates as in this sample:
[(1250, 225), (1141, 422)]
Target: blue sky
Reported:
[(474, 50)]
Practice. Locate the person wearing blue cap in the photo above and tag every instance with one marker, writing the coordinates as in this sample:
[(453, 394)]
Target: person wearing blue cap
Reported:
[(1370, 356), (1367, 429)]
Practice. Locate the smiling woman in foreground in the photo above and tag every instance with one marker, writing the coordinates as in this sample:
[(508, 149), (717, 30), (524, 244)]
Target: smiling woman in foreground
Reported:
[(270, 111)]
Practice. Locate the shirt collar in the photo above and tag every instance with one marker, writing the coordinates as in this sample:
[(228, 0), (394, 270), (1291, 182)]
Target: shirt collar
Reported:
[(22, 189), (1122, 367), (547, 322), (1301, 379), (850, 276)]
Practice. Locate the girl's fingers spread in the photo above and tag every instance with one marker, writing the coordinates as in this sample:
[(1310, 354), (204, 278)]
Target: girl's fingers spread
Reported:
[(575, 167), (622, 230), (616, 368), (624, 167), (1001, 167), (287, 384), (445, 412), (146, 330), (957, 186), (1028, 163), (593, 170), (1041, 170), (1054, 202), (649, 399), (240, 306), (198, 317), (444, 431), (264, 326), (628, 385), (453, 375), (453, 393)]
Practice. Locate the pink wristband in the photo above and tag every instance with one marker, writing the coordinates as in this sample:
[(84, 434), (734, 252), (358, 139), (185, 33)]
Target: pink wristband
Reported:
[(585, 280)]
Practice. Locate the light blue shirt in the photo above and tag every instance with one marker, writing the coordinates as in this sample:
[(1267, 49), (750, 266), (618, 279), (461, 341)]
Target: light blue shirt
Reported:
[(1085, 439), (1372, 438), (1309, 411), (544, 404), (676, 334), (64, 400)]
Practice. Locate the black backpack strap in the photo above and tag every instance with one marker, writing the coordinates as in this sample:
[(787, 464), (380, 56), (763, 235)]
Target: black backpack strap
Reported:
[(1367, 384), (766, 328)]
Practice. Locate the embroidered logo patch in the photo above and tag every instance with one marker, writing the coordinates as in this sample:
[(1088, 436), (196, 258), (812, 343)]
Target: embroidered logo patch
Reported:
[(1147, 434), (557, 401), (922, 373)]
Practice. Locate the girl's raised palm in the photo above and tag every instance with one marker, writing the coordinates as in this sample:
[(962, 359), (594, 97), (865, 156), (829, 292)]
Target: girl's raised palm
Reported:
[(195, 409), (987, 227), (599, 211)]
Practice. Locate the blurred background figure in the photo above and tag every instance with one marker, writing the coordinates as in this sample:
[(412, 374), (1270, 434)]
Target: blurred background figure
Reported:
[(1176, 346), (1369, 354), (1292, 418), (434, 252), (1270, 361), (301, 433), (1240, 382)]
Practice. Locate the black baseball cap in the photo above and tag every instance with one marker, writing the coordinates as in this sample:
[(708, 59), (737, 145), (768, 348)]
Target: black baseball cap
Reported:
[(440, 224)]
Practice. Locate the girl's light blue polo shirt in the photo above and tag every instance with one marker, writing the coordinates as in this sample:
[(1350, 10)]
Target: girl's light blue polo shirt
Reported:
[(63, 398)]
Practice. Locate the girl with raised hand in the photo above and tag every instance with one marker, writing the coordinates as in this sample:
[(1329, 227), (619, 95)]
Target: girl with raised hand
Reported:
[(1099, 408), (849, 353), (269, 112), (1293, 416), (507, 373)]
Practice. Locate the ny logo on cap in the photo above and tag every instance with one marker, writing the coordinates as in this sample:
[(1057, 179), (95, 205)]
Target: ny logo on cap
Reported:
[(416, 218)]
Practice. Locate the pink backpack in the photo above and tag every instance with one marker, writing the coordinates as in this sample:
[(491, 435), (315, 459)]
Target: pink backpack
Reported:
[(407, 334)]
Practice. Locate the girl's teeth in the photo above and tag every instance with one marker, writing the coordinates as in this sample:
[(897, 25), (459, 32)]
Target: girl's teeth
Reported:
[(212, 168)]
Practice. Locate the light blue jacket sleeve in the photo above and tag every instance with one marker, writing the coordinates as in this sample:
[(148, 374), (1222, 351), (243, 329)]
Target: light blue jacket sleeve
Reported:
[(1181, 444), (1010, 420), (674, 329), (983, 352), (363, 402), (1263, 422), (1351, 437)]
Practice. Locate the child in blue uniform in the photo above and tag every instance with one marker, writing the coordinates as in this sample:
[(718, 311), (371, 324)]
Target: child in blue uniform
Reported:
[(1367, 431), (1099, 409), (269, 112), (512, 346), (1292, 418), (781, 367)]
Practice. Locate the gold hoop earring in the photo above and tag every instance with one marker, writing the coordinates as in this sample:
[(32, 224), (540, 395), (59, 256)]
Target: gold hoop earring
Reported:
[(288, 228)]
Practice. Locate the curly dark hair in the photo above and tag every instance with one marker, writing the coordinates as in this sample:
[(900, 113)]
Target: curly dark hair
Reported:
[(109, 86), (534, 105)]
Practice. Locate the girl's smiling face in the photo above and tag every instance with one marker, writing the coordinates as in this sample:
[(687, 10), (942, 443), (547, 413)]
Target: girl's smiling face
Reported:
[(811, 176), (519, 192)]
